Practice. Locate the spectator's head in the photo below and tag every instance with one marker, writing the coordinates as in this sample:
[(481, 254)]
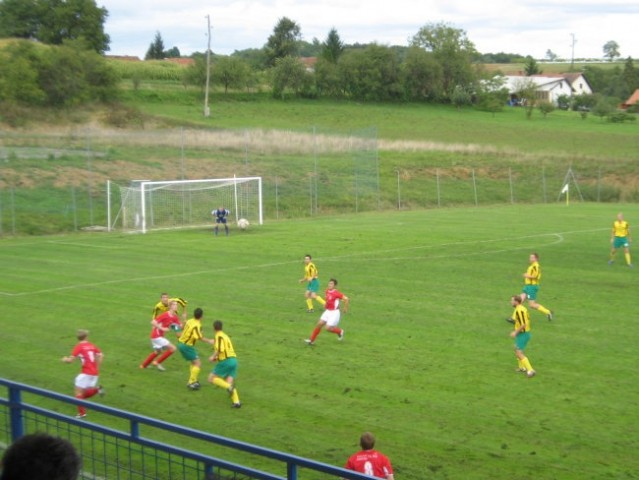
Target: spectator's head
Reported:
[(40, 456), (367, 441)]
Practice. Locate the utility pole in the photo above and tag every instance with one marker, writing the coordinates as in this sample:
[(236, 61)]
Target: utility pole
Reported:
[(207, 110), (572, 56)]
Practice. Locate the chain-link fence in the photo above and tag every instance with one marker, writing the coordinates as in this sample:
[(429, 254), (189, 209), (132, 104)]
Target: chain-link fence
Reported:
[(58, 182)]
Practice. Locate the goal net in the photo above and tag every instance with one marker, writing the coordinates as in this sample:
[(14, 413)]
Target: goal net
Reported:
[(149, 205)]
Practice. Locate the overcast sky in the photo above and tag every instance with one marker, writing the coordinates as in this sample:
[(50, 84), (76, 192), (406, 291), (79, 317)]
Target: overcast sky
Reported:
[(525, 27)]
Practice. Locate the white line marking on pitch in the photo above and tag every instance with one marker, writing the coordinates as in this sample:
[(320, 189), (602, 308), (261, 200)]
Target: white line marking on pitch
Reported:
[(337, 257)]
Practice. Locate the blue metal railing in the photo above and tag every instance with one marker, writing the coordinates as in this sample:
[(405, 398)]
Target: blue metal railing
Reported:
[(112, 453)]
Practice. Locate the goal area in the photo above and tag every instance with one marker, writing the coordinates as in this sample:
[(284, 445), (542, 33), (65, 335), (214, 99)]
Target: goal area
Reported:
[(154, 205)]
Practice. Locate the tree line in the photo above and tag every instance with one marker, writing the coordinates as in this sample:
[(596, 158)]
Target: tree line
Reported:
[(440, 64)]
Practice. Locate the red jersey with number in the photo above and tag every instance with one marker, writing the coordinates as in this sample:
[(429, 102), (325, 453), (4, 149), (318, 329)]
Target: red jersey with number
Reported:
[(332, 298), (88, 355), (370, 462), (165, 320)]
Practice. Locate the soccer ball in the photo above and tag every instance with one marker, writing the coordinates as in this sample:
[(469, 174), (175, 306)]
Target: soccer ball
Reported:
[(242, 224)]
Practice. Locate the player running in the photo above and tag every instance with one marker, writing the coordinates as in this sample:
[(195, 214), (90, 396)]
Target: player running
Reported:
[(532, 277), (311, 277), (521, 334), (331, 316), (165, 322), (225, 371), (86, 383)]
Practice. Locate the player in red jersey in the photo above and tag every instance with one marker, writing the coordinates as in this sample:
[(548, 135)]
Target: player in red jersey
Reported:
[(369, 461), (169, 320), (86, 383), (330, 317)]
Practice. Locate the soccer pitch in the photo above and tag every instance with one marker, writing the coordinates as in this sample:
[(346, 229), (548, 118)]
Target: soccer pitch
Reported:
[(426, 364)]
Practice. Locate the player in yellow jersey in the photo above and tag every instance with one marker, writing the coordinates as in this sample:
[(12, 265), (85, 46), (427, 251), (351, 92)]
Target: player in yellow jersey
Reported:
[(521, 334), (620, 237), (311, 277), (532, 277), (192, 333), (163, 306), (225, 371)]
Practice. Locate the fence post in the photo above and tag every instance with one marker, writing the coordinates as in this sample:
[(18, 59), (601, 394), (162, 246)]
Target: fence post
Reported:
[(510, 180), (475, 188), (599, 185), (13, 211), (399, 196), (74, 207), (291, 471), (15, 413), (439, 203)]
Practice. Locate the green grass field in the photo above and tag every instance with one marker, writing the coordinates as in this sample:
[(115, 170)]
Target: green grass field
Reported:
[(426, 363)]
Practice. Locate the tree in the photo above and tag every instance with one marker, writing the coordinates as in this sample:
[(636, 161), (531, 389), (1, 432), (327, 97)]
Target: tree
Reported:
[(284, 41), (156, 48), (491, 95), (332, 47), (602, 108), (372, 73), (231, 72), (460, 97), (327, 80), (452, 49), (55, 21), (630, 75), (550, 55), (173, 52), (525, 89), (19, 75), (611, 50), (531, 67), (422, 75), (289, 74), (545, 108), (57, 76)]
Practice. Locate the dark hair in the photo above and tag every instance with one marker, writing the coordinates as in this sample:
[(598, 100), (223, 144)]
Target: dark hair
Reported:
[(333, 280), (217, 325), (517, 298), (40, 456), (308, 255), (367, 441), (198, 312)]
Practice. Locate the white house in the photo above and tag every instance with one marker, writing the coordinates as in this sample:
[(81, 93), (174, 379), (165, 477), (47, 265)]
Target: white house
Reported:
[(579, 84), (547, 88)]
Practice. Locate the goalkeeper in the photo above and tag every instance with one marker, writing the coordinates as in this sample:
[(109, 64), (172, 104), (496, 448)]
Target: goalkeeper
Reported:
[(220, 216)]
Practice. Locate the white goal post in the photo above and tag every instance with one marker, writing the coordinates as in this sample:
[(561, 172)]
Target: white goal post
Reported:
[(152, 205)]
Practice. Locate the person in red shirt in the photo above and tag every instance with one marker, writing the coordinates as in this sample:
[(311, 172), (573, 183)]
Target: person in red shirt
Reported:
[(86, 383), (330, 317), (169, 320), (369, 461)]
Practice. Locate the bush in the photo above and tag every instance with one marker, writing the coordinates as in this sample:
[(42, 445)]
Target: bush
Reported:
[(122, 116), (621, 117), (601, 193)]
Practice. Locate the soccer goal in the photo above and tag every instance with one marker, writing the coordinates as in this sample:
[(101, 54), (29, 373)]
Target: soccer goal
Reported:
[(152, 205)]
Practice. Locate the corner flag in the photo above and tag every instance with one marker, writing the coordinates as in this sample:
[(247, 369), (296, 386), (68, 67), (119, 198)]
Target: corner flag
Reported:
[(565, 189)]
